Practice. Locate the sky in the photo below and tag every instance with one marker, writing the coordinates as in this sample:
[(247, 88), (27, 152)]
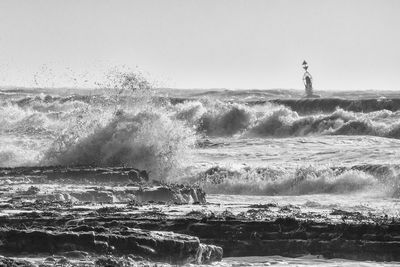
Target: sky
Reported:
[(349, 44)]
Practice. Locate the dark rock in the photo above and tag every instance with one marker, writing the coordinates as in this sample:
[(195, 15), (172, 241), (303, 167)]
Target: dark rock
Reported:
[(157, 246), (171, 194), (75, 254), (9, 262), (209, 253), (33, 190), (138, 176), (93, 196)]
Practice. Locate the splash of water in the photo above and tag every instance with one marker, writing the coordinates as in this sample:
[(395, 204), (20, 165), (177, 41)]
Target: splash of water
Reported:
[(128, 130), (302, 181), (145, 140), (215, 118)]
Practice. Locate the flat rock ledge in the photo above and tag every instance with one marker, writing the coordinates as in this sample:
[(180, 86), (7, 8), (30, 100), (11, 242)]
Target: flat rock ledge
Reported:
[(119, 213), (96, 185), (293, 238), (159, 246), (288, 236), (285, 236)]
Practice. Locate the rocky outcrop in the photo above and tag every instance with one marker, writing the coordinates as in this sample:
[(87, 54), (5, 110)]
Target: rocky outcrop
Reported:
[(9, 262), (286, 236), (96, 185), (93, 196), (77, 174), (47, 210), (283, 236), (155, 246), (173, 194), (290, 237)]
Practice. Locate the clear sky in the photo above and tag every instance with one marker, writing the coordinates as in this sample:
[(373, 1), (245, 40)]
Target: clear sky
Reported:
[(349, 44)]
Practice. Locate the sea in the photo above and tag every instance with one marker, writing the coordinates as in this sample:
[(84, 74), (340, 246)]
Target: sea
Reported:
[(240, 146)]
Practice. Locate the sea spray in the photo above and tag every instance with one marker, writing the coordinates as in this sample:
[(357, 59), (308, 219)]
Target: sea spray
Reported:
[(124, 89), (215, 118), (44, 128), (129, 130), (352, 103), (209, 117), (147, 140), (305, 180)]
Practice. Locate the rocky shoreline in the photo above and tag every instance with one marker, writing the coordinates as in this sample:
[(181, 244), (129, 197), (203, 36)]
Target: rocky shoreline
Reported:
[(59, 211)]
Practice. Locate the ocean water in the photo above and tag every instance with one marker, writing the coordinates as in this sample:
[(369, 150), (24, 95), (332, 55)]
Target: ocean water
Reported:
[(301, 261), (242, 146)]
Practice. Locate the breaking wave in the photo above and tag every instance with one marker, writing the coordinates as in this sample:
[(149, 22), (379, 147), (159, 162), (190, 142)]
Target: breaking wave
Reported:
[(318, 105), (285, 122), (212, 117), (130, 125), (302, 181), (146, 132), (227, 119), (125, 125), (147, 140), (215, 118)]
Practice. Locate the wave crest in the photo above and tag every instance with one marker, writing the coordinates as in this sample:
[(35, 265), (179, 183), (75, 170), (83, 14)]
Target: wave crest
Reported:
[(146, 140), (302, 181), (215, 118), (318, 105)]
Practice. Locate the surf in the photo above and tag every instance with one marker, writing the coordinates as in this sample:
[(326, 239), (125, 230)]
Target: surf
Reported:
[(378, 180)]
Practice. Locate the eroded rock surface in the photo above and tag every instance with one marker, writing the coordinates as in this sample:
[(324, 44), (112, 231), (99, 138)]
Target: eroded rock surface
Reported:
[(101, 185), (175, 194), (45, 211), (152, 245)]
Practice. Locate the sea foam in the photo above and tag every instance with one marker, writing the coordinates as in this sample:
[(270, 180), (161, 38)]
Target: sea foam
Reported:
[(304, 180)]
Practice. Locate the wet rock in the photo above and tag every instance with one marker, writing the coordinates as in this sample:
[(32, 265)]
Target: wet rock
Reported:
[(158, 194), (171, 194), (108, 262), (194, 195), (60, 173), (76, 254), (33, 190), (112, 261), (209, 253), (10, 262), (107, 210), (74, 230), (166, 247), (93, 196), (138, 176)]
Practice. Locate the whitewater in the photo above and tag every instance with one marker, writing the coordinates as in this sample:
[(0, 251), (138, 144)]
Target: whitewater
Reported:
[(241, 146)]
